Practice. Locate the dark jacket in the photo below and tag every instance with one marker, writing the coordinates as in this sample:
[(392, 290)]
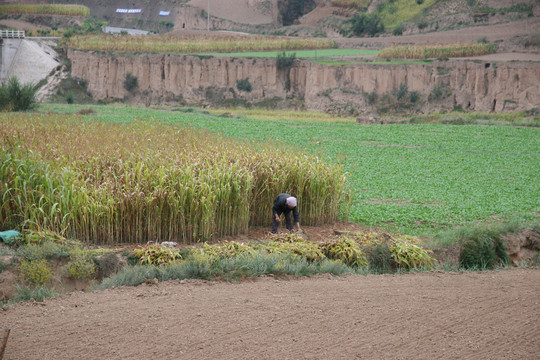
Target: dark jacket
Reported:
[(280, 207)]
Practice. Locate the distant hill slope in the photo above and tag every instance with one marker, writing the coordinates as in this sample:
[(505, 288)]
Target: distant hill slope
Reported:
[(252, 12), (326, 20)]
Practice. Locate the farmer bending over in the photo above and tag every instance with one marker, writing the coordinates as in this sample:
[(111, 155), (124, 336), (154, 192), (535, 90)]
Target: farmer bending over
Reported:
[(286, 204)]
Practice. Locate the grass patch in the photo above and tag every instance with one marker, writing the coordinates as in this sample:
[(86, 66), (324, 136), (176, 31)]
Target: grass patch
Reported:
[(32, 293)]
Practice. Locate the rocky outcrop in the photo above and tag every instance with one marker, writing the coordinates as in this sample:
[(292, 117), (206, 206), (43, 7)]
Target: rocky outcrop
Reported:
[(471, 85)]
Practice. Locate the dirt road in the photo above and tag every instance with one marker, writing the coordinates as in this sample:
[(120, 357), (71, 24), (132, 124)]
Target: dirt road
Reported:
[(487, 315)]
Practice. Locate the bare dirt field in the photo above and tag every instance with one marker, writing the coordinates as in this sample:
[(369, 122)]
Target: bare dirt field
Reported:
[(431, 315)]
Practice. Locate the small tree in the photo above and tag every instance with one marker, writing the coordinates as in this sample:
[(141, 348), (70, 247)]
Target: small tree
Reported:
[(131, 82), (17, 97), (284, 61)]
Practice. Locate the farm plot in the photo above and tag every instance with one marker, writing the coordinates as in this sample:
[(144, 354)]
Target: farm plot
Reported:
[(407, 178), (435, 315)]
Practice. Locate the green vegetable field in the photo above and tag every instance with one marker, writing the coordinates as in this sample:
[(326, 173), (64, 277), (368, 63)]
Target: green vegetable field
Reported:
[(415, 179)]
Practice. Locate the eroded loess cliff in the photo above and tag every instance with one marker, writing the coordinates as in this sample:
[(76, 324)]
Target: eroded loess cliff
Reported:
[(478, 86)]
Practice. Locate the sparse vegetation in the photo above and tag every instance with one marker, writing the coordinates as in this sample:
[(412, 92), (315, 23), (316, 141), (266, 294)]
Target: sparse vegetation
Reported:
[(284, 60), (35, 272), (81, 265)]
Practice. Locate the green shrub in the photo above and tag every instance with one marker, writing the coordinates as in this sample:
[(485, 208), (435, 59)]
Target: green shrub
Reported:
[(401, 92), (483, 250), (366, 24), (81, 265), (439, 92), (243, 85), (70, 98), (422, 25), (398, 30), (108, 264), (35, 272), (131, 82), (414, 96), (132, 276), (371, 98), (17, 97), (380, 259), (284, 61), (32, 293)]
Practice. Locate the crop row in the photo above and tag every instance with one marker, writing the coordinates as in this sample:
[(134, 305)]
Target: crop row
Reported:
[(194, 43), (358, 4), (107, 183), (72, 10), (437, 51)]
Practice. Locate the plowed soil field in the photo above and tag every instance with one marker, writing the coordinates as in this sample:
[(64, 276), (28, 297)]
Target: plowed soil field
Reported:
[(430, 315)]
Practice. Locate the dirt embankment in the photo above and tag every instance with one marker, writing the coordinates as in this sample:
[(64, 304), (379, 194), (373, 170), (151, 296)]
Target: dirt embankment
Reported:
[(433, 315), (472, 85)]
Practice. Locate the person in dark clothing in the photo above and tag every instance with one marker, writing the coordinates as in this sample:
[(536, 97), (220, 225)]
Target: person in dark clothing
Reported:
[(285, 204)]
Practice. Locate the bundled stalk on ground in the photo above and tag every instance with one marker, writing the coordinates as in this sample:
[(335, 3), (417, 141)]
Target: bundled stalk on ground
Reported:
[(437, 51), (139, 182), (53, 9), (194, 43)]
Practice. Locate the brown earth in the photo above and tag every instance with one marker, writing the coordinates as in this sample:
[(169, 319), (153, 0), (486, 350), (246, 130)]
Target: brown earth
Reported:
[(434, 315)]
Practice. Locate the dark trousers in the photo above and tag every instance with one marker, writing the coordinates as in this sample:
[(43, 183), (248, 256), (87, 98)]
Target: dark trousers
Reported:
[(288, 222)]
